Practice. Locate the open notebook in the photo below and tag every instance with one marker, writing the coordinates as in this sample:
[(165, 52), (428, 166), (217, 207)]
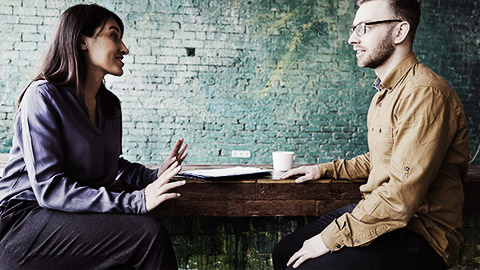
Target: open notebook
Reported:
[(233, 173)]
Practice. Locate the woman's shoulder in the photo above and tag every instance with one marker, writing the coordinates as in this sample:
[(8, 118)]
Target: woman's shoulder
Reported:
[(51, 88), (37, 89), (41, 87), (44, 92)]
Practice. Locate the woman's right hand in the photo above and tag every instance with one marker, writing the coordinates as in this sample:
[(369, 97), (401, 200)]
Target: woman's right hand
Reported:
[(156, 192), (175, 153)]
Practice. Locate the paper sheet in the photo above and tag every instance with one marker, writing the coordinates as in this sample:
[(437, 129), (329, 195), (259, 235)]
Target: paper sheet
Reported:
[(225, 171)]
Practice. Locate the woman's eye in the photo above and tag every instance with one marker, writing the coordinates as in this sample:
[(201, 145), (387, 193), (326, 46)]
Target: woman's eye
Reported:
[(114, 36)]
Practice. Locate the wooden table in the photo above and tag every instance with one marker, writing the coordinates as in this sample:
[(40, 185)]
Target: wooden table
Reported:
[(266, 196)]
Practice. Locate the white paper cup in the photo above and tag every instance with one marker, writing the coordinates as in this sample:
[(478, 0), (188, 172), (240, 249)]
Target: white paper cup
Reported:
[(282, 160)]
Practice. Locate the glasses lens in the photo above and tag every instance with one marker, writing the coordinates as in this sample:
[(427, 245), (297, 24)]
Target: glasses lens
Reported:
[(350, 30), (360, 29)]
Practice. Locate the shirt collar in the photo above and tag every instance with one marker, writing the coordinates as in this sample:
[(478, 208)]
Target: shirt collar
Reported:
[(397, 73), (377, 84)]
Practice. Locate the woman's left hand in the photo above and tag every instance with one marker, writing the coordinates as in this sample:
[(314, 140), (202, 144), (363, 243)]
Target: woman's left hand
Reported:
[(176, 152), (312, 248), (157, 191)]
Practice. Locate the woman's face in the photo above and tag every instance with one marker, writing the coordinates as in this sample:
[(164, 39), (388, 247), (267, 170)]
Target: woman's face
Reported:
[(105, 50)]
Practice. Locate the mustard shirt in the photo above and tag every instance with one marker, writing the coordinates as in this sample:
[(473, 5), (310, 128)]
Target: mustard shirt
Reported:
[(417, 160)]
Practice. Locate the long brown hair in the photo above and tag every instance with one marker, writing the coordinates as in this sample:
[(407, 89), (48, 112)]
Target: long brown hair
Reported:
[(63, 63)]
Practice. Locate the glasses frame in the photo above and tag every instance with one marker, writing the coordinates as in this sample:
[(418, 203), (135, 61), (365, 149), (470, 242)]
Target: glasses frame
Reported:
[(364, 25)]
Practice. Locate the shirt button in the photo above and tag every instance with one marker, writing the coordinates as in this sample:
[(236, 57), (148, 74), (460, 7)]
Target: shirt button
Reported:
[(338, 246), (380, 131), (356, 241), (406, 168)]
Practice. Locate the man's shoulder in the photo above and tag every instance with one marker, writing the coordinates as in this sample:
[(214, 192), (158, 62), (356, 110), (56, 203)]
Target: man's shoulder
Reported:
[(422, 79), (425, 84), (423, 76)]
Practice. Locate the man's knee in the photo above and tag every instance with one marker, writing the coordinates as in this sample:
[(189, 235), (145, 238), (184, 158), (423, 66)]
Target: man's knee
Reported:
[(281, 253)]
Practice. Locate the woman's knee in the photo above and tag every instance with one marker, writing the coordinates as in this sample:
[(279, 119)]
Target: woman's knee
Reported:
[(151, 226)]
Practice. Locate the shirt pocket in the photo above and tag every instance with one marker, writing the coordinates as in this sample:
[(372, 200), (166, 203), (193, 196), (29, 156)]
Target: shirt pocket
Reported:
[(382, 140)]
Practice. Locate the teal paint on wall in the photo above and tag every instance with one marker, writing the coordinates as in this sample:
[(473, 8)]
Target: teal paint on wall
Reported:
[(266, 75)]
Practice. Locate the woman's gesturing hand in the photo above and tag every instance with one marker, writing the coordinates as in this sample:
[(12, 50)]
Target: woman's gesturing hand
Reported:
[(180, 156), (156, 192)]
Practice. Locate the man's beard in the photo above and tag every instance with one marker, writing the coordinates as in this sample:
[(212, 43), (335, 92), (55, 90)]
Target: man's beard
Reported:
[(382, 52)]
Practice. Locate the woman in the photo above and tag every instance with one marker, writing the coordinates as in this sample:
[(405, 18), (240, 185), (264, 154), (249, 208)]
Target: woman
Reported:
[(56, 212)]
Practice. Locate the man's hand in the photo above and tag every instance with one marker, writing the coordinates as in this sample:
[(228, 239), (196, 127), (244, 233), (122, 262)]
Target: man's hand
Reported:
[(180, 156), (309, 172), (155, 193), (312, 248)]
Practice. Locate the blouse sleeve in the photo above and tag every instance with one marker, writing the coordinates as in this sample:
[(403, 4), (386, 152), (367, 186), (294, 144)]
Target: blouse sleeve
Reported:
[(135, 174), (41, 146)]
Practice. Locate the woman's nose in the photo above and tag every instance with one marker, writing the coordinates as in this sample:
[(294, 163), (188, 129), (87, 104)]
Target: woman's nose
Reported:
[(124, 49)]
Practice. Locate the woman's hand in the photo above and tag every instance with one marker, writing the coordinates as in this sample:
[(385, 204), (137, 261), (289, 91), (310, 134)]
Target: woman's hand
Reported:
[(180, 156), (156, 192), (309, 172), (312, 248)]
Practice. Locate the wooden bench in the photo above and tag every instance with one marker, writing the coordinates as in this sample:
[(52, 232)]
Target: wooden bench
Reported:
[(273, 197)]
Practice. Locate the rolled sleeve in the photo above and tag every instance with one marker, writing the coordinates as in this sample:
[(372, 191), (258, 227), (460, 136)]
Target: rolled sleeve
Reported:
[(355, 168)]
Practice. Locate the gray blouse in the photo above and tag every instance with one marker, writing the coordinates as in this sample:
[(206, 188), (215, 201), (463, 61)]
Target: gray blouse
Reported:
[(63, 161)]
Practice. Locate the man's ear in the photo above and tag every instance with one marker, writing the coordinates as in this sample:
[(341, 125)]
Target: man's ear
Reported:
[(403, 29), (82, 43)]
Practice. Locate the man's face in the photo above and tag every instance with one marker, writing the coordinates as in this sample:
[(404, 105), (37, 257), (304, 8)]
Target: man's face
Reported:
[(376, 46)]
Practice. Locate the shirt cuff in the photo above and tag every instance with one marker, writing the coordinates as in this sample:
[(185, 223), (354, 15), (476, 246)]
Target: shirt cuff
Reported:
[(327, 170), (331, 237), (155, 174), (140, 201)]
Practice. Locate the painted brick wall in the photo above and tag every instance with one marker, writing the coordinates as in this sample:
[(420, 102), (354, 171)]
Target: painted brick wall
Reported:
[(244, 75)]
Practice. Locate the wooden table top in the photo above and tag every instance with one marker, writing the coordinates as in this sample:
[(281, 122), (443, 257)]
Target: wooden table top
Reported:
[(274, 177), (267, 196)]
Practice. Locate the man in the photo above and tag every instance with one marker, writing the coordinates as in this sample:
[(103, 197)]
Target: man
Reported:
[(411, 214)]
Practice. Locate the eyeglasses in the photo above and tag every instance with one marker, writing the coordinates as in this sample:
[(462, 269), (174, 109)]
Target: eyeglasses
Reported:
[(361, 28)]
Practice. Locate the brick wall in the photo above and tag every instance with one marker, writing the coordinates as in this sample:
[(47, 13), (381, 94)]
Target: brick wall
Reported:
[(244, 75)]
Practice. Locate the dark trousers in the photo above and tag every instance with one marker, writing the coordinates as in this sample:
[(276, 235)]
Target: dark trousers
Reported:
[(399, 249), (35, 238)]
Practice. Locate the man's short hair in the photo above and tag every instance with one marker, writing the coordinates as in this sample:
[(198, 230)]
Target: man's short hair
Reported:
[(407, 10)]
